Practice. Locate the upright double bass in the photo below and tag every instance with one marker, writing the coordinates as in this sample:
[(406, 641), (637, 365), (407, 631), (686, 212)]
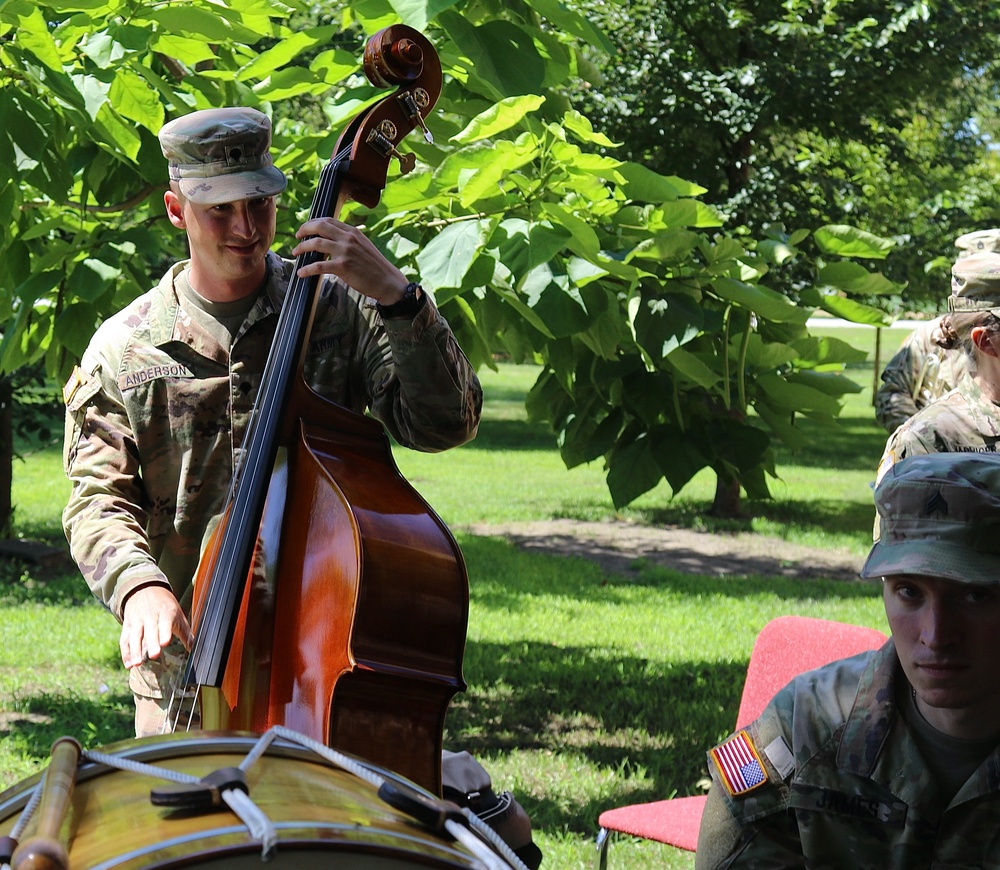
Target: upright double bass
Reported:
[(332, 599)]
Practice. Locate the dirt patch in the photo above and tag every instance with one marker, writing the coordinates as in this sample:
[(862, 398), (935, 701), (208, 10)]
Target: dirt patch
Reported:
[(617, 545)]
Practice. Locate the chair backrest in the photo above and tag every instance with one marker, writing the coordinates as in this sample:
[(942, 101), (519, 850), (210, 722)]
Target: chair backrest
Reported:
[(790, 645)]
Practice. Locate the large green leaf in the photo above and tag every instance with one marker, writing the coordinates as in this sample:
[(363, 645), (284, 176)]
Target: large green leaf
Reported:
[(847, 241), (193, 20), (584, 236), (779, 393), (287, 50), (691, 367), (581, 127), (134, 99), (32, 31), (832, 383), (644, 185), (761, 300), (498, 118), (678, 456), (491, 46), (848, 309), (568, 20), (446, 259), (418, 13), (855, 278), (632, 471)]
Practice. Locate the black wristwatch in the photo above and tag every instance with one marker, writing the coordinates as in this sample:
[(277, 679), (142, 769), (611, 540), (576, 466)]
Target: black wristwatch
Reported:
[(413, 300)]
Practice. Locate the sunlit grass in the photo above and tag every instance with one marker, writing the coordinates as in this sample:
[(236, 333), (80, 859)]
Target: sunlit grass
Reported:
[(587, 690)]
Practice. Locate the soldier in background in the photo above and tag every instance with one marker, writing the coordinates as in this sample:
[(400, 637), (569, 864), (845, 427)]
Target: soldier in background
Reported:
[(921, 370), (888, 758), (966, 419)]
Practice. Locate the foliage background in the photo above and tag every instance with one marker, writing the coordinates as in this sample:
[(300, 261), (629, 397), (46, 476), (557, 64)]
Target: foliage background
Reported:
[(671, 340)]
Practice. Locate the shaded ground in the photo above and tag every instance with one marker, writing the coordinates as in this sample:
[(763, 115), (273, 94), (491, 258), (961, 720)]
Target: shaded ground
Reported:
[(617, 546)]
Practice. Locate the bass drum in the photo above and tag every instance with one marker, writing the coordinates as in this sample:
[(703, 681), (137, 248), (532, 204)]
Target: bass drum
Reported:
[(324, 817)]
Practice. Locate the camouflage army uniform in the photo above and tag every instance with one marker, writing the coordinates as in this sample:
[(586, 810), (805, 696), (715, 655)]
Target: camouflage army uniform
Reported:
[(846, 785), (962, 421), (920, 372), (158, 408)]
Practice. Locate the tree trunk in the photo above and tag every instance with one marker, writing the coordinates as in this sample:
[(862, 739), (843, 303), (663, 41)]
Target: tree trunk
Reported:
[(6, 452), (727, 504)]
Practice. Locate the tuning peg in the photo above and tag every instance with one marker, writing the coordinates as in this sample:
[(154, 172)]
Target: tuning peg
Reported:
[(413, 103), (382, 139)]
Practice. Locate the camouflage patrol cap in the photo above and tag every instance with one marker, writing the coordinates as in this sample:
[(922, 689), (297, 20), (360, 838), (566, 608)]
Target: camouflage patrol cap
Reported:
[(975, 283), (978, 240), (221, 155), (939, 516)]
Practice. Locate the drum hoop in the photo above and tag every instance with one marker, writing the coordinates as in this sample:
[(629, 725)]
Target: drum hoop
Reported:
[(151, 750), (379, 842)]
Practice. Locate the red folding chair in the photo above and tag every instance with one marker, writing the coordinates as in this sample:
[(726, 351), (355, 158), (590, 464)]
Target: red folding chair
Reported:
[(786, 646)]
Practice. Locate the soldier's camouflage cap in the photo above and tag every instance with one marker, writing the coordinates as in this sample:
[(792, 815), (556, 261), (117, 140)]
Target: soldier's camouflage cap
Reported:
[(975, 283), (221, 155), (939, 516), (978, 240)]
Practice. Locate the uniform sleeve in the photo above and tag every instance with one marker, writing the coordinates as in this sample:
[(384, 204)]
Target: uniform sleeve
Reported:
[(747, 822), (723, 843), (103, 520), (423, 388), (895, 401)]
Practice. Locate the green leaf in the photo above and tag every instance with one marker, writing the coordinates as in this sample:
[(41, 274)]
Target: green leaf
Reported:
[(120, 135), (689, 213), (562, 311), (823, 350), (848, 309), (32, 32), (795, 397), (507, 156), (661, 326), (759, 299), (498, 118), (579, 125), (285, 51), (632, 471), (492, 46), (134, 99), (446, 258), (196, 21), (187, 50), (644, 185), (781, 425), (525, 311), (284, 83), (677, 456), (847, 241), (831, 383), (669, 246), (418, 13), (855, 278), (568, 20), (582, 233), (691, 367), (775, 252)]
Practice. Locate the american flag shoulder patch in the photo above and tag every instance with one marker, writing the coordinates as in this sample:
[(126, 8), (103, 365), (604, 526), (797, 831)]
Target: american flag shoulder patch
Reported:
[(739, 764)]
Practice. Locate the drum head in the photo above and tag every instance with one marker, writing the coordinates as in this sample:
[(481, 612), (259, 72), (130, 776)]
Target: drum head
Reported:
[(323, 816)]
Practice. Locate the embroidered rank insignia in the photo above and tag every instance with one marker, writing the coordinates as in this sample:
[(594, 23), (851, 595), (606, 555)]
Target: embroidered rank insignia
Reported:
[(739, 764)]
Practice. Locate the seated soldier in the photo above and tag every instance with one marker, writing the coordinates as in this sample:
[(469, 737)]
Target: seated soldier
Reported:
[(889, 758)]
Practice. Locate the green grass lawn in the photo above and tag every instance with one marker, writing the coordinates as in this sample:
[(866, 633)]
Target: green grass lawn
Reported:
[(586, 690)]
